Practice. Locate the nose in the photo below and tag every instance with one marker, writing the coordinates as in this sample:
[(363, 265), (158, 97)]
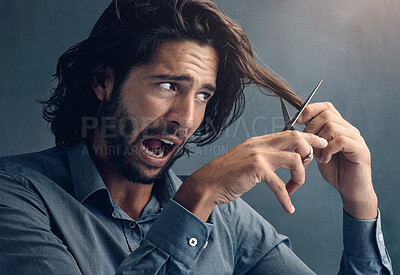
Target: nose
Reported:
[(182, 111)]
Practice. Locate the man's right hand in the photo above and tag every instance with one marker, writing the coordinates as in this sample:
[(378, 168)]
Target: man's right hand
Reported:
[(241, 168)]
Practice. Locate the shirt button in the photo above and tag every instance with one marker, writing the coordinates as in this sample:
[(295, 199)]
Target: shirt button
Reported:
[(380, 237), (205, 245), (132, 225), (193, 242)]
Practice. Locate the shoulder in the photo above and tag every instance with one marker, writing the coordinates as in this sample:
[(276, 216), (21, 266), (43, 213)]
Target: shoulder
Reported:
[(39, 161), (36, 168)]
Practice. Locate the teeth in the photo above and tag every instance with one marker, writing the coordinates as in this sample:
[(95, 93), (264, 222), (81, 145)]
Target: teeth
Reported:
[(147, 151), (167, 141)]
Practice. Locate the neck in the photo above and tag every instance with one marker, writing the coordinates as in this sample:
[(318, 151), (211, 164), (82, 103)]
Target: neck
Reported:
[(130, 196)]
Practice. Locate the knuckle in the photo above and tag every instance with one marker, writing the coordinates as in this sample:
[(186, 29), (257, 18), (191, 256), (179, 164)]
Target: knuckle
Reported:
[(280, 188), (253, 154), (296, 157), (326, 114), (341, 139), (250, 142), (307, 110), (298, 143), (330, 126), (256, 160), (286, 132), (329, 105), (298, 182), (311, 136), (357, 131), (252, 139), (295, 134)]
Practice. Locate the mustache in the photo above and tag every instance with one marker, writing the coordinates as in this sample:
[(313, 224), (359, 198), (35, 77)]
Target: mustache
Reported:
[(167, 130), (126, 131), (153, 130)]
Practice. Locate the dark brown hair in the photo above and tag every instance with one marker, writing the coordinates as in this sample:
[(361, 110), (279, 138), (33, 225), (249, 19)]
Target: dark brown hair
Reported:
[(126, 35)]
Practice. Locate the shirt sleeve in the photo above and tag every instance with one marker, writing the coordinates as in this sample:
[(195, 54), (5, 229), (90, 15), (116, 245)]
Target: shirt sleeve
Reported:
[(173, 245), (364, 247), (27, 243), (261, 250), (281, 260)]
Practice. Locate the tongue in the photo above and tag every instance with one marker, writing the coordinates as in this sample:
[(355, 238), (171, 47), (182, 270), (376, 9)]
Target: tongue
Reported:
[(152, 144)]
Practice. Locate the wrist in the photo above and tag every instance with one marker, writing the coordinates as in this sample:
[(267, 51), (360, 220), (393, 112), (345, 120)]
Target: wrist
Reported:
[(195, 198), (362, 209)]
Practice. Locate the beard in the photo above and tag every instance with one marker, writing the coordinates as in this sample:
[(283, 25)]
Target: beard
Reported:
[(124, 153)]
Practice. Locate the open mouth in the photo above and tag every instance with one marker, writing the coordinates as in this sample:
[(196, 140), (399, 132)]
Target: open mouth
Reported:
[(157, 150)]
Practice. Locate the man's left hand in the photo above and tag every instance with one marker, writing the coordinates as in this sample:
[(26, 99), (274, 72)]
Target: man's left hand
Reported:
[(346, 162)]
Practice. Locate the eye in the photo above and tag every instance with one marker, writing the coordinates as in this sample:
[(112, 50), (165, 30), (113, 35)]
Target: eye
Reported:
[(168, 86), (203, 96)]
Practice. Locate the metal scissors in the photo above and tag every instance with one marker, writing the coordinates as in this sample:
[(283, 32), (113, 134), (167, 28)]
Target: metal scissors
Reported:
[(289, 123)]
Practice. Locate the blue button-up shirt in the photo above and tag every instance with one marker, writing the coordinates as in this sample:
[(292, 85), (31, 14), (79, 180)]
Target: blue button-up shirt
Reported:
[(57, 217)]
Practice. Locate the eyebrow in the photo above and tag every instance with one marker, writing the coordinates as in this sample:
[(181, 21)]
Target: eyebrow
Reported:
[(184, 77)]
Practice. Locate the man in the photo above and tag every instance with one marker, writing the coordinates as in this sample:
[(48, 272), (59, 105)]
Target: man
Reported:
[(152, 76)]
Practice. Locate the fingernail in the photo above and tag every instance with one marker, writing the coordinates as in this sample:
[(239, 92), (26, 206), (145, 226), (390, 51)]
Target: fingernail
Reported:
[(324, 141), (299, 119), (293, 209)]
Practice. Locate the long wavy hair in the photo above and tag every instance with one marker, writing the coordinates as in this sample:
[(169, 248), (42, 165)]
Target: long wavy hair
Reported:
[(127, 34)]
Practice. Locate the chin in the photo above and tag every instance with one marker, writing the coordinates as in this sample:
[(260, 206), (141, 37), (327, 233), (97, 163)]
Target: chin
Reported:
[(139, 172)]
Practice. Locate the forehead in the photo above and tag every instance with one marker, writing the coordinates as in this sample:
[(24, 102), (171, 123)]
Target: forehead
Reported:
[(184, 49), (184, 58)]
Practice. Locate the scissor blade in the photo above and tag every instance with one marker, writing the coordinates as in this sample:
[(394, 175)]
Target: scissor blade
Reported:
[(293, 121), (285, 112)]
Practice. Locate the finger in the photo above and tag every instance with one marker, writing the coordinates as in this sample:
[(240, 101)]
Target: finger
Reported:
[(295, 181), (308, 158), (306, 152), (318, 122), (314, 109), (317, 155), (288, 161), (278, 187), (332, 130), (315, 141), (306, 163), (292, 140), (292, 186), (347, 146)]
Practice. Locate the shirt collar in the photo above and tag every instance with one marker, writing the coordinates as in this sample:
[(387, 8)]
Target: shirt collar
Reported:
[(85, 175), (167, 187)]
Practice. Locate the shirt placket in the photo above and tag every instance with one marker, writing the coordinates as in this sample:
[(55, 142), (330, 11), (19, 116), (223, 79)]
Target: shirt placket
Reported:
[(133, 234)]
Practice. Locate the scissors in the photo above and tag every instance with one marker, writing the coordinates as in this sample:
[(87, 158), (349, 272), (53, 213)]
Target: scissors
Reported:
[(289, 123)]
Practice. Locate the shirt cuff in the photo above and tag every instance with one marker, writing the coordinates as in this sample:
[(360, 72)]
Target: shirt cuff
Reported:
[(178, 232), (364, 238)]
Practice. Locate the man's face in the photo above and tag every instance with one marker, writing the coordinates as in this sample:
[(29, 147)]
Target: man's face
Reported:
[(158, 107)]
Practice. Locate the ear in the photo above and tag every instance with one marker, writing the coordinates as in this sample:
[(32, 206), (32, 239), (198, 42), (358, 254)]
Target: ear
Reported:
[(103, 83)]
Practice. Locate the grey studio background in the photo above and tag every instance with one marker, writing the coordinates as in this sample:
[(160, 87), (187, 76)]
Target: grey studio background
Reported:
[(353, 45)]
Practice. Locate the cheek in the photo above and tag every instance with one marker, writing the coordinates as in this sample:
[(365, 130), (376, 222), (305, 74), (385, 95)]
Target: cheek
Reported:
[(198, 119), (146, 110)]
